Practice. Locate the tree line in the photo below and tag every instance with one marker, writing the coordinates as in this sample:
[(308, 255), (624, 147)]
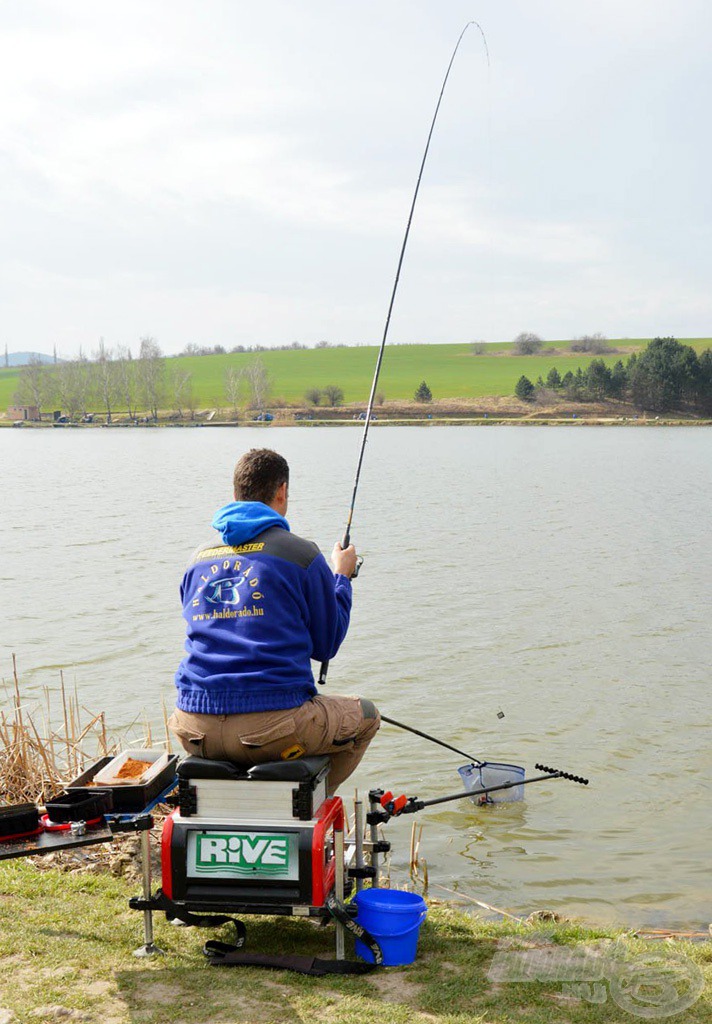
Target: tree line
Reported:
[(111, 380), (117, 383), (192, 349), (666, 376)]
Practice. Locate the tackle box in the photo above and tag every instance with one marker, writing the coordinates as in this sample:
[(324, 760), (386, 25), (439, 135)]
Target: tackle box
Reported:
[(79, 805), (110, 774), (18, 820), (134, 797)]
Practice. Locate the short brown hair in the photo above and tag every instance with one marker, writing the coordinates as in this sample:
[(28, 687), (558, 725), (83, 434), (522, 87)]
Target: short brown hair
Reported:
[(258, 475)]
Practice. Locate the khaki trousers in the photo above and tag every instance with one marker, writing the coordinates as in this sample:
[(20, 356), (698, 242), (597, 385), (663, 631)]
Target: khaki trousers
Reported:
[(341, 727)]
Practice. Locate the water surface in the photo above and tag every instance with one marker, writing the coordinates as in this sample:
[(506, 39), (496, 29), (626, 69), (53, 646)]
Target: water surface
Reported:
[(560, 575)]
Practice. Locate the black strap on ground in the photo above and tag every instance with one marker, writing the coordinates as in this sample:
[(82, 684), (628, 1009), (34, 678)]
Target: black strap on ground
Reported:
[(222, 954), (311, 965), (174, 912)]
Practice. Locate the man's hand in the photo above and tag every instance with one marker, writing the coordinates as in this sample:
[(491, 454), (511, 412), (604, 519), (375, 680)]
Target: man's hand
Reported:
[(344, 560)]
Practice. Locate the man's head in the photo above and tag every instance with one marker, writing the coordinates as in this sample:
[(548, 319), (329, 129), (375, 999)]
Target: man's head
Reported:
[(262, 475)]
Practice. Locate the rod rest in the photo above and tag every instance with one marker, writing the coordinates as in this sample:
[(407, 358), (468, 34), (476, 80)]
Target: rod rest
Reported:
[(304, 769)]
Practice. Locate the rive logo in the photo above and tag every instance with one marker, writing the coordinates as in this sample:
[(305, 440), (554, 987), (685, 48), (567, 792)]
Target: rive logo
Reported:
[(243, 854), (225, 591)]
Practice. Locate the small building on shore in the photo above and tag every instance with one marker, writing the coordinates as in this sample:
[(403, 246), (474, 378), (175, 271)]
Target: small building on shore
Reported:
[(23, 412)]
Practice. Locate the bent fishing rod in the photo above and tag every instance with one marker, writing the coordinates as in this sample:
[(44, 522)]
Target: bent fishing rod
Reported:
[(347, 535)]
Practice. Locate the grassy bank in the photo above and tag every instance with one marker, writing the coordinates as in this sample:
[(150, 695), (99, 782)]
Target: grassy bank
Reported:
[(66, 941)]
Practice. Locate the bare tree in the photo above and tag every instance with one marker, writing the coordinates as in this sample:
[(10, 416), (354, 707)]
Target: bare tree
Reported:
[(233, 388), (259, 383), (191, 400), (334, 394), (182, 390), (34, 385), (85, 383), (313, 395), (151, 374), (73, 387), (526, 343), (126, 379), (105, 375), (596, 343)]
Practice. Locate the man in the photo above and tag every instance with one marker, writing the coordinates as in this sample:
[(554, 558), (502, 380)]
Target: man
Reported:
[(261, 604)]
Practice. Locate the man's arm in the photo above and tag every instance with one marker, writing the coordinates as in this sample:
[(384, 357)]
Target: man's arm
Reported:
[(329, 601)]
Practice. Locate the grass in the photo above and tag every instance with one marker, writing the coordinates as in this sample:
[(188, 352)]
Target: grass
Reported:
[(66, 941), (451, 371)]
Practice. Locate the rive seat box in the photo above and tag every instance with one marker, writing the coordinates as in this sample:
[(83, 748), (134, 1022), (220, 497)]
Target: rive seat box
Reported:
[(251, 840)]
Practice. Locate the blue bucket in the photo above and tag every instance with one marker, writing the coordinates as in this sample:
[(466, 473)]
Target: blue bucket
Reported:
[(393, 918)]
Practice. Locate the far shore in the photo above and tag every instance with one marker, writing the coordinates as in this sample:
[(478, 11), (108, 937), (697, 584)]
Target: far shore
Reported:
[(493, 410), (580, 420)]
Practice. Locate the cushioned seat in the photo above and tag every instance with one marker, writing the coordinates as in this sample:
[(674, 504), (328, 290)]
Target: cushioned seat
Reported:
[(301, 770)]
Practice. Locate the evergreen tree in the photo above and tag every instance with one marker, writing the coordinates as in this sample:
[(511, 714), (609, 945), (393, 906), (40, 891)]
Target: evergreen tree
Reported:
[(423, 393), (665, 376), (619, 380), (705, 382), (524, 389), (598, 379), (553, 379), (576, 385), (567, 381)]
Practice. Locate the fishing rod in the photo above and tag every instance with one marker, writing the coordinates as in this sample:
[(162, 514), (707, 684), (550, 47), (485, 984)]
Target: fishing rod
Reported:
[(347, 534), (433, 739)]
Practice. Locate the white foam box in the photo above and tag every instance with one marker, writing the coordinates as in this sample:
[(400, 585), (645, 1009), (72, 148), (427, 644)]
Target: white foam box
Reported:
[(108, 775)]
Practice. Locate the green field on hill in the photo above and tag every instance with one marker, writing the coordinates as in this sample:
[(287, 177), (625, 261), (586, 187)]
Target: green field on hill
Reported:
[(451, 371)]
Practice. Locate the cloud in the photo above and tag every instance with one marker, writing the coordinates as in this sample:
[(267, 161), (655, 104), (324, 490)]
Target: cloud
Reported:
[(257, 162)]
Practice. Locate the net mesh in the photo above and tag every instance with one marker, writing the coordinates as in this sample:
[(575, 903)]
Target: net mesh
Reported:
[(477, 777)]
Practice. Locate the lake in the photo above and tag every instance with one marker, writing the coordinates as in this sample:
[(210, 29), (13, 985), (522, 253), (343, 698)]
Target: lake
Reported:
[(560, 576)]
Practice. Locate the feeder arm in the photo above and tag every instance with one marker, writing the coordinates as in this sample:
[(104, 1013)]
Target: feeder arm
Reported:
[(392, 807)]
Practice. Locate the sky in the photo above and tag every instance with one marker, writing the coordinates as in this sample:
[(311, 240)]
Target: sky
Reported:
[(233, 173)]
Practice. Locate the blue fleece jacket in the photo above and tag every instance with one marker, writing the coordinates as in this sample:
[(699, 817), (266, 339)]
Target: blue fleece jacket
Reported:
[(259, 604)]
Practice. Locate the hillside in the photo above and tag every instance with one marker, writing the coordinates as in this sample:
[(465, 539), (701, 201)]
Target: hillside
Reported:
[(23, 358), (451, 371)]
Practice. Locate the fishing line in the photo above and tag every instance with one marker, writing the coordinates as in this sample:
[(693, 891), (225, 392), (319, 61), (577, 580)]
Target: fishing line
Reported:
[(432, 739), (347, 535)]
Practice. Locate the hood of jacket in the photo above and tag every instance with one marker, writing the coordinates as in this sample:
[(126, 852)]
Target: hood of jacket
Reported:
[(240, 521)]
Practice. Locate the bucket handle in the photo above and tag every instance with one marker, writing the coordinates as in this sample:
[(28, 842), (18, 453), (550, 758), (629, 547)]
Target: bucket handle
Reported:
[(399, 935)]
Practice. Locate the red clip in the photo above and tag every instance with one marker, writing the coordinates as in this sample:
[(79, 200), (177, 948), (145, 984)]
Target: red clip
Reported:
[(386, 799), (399, 803)]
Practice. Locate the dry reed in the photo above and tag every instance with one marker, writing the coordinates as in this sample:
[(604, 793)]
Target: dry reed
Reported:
[(37, 759)]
